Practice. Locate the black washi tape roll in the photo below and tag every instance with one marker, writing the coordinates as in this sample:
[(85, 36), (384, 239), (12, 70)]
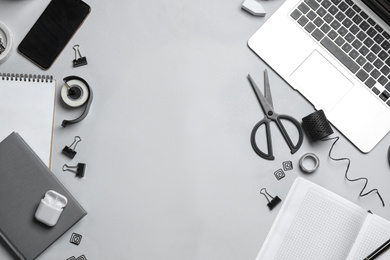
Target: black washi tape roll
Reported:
[(316, 126)]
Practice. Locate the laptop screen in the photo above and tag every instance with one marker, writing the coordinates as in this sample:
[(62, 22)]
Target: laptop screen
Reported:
[(381, 8)]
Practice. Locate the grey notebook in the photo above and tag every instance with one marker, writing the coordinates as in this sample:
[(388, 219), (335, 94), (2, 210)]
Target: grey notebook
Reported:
[(24, 180)]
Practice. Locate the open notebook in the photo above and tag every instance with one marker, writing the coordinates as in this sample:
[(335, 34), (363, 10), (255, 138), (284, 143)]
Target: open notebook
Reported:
[(27, 105), (315, 223)]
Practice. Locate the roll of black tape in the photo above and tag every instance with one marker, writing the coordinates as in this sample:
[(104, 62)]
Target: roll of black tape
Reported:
[(317, 126)]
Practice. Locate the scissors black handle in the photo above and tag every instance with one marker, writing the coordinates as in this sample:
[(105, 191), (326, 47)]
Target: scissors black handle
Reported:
[(277, 119)]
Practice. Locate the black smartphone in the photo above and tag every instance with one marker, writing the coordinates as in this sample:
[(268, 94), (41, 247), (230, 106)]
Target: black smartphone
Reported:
[(53, 30)]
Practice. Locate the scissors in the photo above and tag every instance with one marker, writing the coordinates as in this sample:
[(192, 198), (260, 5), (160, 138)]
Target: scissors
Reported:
[(270, 115)]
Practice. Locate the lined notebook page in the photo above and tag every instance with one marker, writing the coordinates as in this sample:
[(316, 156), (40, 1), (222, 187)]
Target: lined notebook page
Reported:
[(373, 234), (313, 223), (27, 107)]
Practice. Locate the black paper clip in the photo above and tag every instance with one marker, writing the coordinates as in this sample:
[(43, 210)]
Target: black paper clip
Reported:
[(78, 60), (79, 169), (274, 200), (69, 151)]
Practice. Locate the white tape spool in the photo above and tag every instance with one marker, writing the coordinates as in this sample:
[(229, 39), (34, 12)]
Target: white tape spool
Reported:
[(6, 36), (81, 87)]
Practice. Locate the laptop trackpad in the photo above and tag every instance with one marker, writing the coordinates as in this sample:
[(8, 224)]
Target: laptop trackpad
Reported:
[(320, 81)]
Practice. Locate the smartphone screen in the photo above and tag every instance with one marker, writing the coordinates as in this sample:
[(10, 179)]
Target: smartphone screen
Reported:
[(53, 30)]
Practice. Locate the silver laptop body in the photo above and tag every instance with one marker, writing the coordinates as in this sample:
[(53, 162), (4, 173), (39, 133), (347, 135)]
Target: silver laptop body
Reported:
[(299, 42)]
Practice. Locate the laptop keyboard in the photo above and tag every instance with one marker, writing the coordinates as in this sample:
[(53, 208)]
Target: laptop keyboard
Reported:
[(351, 36)]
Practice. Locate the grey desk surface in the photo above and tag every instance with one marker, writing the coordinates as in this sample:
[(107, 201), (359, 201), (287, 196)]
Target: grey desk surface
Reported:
[(170, 171)]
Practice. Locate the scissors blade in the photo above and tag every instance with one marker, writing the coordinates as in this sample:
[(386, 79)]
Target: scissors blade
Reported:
[(267, 89), (263, 101)]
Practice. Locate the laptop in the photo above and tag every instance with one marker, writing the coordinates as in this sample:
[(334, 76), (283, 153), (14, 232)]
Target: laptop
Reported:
[(336, 53)]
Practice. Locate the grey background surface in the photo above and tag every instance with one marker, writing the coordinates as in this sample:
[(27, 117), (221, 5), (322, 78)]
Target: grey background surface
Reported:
[(170, 170)]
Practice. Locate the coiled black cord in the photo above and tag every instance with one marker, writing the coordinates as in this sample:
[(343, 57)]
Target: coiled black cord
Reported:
[(317, 128), (361, 194)]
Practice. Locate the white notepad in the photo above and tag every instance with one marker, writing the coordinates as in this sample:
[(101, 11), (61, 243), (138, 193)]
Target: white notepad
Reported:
[(315, 223), (27, 104)]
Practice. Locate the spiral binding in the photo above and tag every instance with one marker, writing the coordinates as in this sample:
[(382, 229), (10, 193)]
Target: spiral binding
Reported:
[(317, 127), (26, 77)]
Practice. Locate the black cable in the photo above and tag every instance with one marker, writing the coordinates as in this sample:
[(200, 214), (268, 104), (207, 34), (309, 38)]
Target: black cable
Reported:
[(361, 194), (318, 128)]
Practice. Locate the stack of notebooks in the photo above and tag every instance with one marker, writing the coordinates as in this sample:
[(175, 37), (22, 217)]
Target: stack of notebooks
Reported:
[(24, 180)]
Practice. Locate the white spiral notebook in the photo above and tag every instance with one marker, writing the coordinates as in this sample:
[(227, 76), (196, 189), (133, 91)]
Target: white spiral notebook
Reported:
[(315, 223), (27, 104)]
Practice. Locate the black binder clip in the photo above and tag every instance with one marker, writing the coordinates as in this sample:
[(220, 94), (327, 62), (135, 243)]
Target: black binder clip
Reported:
[(79, 60), (69, 151), (274, 200), (79, 169)]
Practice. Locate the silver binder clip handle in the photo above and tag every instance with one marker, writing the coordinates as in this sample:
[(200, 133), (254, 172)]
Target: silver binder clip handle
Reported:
[(69, 151), (78, 169), (79, 60), (272, 201)]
